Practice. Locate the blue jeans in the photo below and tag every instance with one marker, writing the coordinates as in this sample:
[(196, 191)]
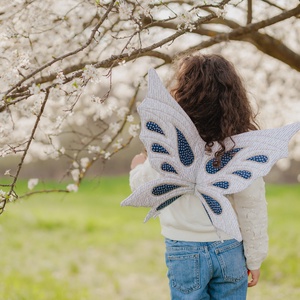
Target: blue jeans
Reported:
[(206, 271)]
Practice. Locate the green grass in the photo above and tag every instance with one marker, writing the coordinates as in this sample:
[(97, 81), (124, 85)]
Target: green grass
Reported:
[(280, 272), (85, 246)]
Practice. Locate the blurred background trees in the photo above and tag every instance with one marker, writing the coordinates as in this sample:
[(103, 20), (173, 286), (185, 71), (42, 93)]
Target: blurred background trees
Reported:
[(72, 72)]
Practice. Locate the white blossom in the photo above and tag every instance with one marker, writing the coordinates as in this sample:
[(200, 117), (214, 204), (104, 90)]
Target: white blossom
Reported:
[(75, 164), (4, 197), (93, 149), (122, 111), (118, 144), (32, 183), (75, 173), (96, 99), (72, 187), (36, 107), (106, 139), (11, 198), (60, 77), (2, 202), (130, 118), (62, 150), (84, 162), (90, 73), (130, 50), (114, 127), (133, 129), (24, 61), (283, 164), (148, 11), (122, 63), (125, 11), (7, 173), (221, 12), (107, 110), (107, 155), (34, 89), (186, 20)]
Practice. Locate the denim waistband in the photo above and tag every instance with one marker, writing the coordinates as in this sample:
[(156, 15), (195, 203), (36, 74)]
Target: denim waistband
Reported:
[(183, 245)]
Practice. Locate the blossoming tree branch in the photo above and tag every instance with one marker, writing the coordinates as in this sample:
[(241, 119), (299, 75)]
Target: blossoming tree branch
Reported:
[(72, 71)]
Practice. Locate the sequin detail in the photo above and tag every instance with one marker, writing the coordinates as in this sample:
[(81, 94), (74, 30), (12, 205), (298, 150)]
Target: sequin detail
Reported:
[(226, 157), (213, 204), (259, 158), (185, 152), (168, 168), (154, 127), (243, 173), (168, 202), (164, 188), (159, 148), (222, 184)]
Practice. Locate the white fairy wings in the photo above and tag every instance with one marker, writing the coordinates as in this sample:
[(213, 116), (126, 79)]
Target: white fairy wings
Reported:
[(176, 150)]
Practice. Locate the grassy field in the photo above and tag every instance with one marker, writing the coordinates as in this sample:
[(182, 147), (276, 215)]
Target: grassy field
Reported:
[(85, 246)]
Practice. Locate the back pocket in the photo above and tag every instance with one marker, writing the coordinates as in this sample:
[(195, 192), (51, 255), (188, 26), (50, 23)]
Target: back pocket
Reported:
[(184, 271), (232, 261)]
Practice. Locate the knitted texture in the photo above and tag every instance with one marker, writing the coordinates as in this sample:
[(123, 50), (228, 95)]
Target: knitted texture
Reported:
[(176, 150)]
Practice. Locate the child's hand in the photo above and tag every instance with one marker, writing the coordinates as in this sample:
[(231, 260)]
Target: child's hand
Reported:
[(137, 160), (254, 274)]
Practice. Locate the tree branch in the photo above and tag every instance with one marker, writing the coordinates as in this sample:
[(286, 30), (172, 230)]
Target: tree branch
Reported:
[(43, 192), (238, 33), (143, 51), (12, 186), (249, 11), (80, 66), (89, 41), (114, 59), (274, 48), (264, 42)]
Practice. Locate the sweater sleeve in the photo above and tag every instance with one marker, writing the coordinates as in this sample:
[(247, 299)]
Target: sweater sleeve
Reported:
[(141, 174), (251, 209)]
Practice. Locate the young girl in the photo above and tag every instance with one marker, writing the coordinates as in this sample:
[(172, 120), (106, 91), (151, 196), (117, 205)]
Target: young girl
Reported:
[(203, 263)]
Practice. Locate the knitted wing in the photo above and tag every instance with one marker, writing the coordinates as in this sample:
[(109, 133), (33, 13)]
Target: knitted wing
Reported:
[(251, 155), (176, 151), (172, 144)]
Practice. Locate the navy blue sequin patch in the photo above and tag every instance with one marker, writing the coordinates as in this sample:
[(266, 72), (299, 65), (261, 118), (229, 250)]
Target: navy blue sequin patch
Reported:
[(154, 127), (243, 173), (226, 157), (185, 152), (259, 158), (222, 184), (213, 204), (159, 148), (168, 168), (164, 188), (168, 202)]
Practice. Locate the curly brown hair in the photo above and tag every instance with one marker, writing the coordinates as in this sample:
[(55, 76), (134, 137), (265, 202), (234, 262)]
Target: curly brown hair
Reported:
[(212, 94)]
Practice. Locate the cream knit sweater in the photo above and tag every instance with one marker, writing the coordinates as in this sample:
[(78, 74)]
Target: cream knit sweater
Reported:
[(186, 219)]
